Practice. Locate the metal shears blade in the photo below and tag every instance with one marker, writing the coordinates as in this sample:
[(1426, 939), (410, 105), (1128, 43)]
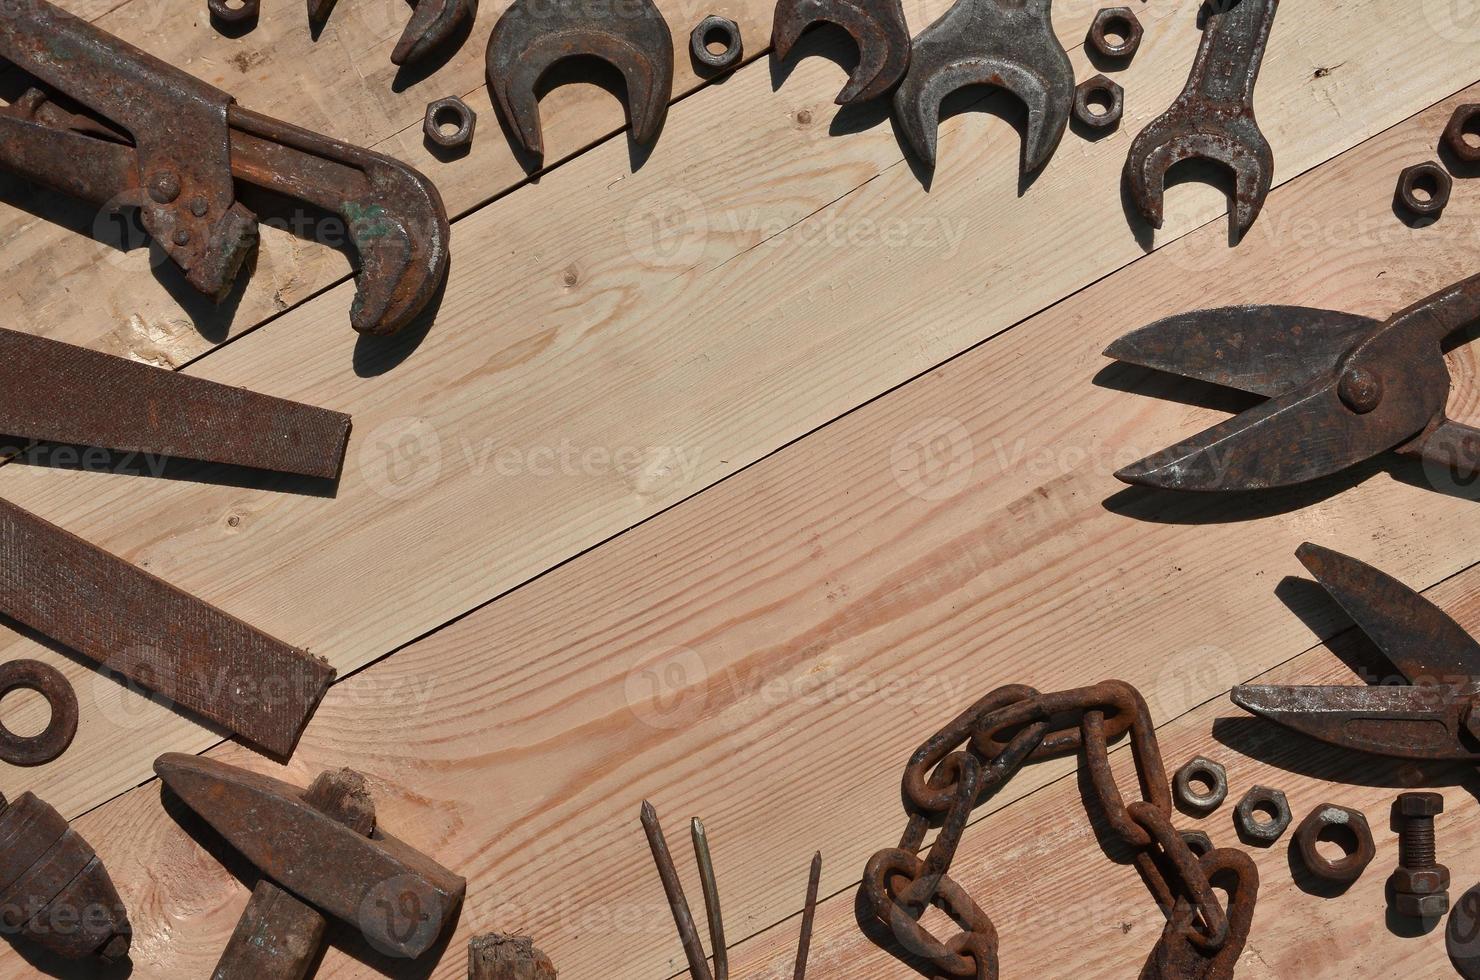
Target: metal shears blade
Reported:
[(1426, 718), (1341, 389)]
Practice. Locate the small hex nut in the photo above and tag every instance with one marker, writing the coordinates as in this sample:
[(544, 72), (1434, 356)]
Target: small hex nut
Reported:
[(699, 42), (1426, 881), (1262, 800), (1344, 826), (1198, 843), (1465, 121), (450, 112), (1119, 22), (1201, 770), (1423, 189), (1099, 103)]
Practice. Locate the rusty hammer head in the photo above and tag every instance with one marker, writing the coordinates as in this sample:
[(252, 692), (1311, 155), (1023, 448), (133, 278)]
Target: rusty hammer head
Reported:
[(328, 856)]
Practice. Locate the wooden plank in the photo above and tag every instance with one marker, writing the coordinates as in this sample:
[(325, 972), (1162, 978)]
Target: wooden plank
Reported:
[(581, 378), (88, 278), (1066, 910), (768, 653)]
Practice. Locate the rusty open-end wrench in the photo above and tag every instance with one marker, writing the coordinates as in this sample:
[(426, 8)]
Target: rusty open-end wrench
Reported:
[(432, 22), (1007, 43), (1213, 118), (876, 26), (532, 35)]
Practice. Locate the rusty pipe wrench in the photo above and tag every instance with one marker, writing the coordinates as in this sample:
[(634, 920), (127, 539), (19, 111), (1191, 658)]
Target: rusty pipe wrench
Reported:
[(533, 35), (1213, 118), (876, 26), (117, 614), (172, 146), (400, 899), (1007, 43), (432, 23)]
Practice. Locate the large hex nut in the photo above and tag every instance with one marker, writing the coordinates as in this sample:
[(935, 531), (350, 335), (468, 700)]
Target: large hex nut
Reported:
[(717, 27), (1262, 816), (1345, 827), (1423, 189), (1201, 770), (1464, 122), (1117, 22), (1099, 103), (450, 123)]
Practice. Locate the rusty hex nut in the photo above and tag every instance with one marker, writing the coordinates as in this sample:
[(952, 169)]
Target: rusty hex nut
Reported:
[(1465, 121), (1262, 800), (1420, 804), (719, 27), (1345, 827), (1119, 22), (1423, 189), (1198, 842), (1201, 770), (450, 112), (1099, 103)]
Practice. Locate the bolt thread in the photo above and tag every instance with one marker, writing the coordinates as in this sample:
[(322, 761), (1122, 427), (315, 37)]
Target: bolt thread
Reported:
[(1416, 849)]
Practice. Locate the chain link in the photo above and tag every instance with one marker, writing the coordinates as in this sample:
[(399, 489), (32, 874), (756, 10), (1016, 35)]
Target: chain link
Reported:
[(974, 756)]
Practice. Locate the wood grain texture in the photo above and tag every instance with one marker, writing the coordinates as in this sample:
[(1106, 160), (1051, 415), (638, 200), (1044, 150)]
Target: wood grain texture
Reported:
[(583, 376), (767, 654), (1064, 909)]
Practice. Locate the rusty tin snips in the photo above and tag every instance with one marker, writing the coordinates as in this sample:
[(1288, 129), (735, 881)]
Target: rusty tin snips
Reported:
[(1341, 389), (173, 146), (1433, 716)]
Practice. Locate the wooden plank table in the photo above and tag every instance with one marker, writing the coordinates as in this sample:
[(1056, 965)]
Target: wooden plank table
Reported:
[(725, 481)]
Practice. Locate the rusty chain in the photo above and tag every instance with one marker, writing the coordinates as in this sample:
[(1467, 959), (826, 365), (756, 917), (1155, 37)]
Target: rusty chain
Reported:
[(975, 755)]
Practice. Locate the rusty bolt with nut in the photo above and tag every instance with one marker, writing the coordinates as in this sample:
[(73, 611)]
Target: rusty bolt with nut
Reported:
[(1201, 770), (450, 123), (1262, 816), (1119, 23), (1463, 124), (1423, 189), (1343, 826), (1420, 883), (1099, 103)]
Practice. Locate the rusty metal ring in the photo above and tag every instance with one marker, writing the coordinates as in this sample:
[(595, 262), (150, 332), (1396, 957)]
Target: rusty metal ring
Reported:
[(721, 27), (47, 681)]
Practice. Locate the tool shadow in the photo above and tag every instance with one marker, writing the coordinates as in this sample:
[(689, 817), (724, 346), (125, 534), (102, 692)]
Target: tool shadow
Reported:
[(93, 459)]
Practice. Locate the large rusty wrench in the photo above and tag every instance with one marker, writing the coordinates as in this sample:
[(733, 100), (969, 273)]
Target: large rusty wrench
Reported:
[(1213, 118), (532, 35), (876, 26), (1007, 43)]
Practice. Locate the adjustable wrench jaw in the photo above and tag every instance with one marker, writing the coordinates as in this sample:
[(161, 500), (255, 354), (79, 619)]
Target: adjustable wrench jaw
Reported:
[(532, 35), (1213, 118), (877, 27), (189, 144), (1006, 43)]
